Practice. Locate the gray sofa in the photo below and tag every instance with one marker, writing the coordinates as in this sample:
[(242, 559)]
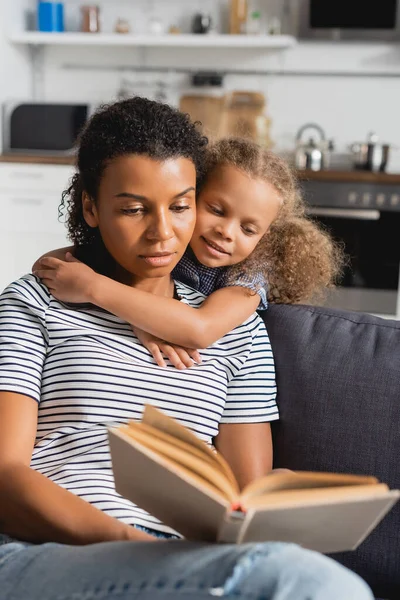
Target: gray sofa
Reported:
[(338, 376)]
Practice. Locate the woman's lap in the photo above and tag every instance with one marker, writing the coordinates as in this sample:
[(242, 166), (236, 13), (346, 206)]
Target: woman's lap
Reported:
[(172, 570)]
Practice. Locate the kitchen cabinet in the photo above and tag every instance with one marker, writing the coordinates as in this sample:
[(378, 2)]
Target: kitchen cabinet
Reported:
[(29, 220)]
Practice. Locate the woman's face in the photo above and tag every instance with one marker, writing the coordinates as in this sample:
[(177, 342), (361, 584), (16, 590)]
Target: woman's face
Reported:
[(145, 212)]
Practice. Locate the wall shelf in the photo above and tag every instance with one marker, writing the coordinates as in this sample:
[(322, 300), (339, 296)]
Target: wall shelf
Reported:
[(37, 38)]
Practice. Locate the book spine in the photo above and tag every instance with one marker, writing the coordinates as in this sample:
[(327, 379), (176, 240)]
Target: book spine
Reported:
[(230, 527)]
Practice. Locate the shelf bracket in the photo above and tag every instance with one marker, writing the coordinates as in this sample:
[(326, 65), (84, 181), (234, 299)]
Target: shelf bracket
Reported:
[(36, 54)]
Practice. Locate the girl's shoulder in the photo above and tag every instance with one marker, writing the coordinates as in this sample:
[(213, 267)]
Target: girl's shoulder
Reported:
[(253, 280)]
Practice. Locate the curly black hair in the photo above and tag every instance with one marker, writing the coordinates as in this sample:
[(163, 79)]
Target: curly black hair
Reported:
[(134, 126)]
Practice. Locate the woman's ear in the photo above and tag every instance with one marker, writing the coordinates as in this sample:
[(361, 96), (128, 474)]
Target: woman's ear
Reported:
[(89, 210)]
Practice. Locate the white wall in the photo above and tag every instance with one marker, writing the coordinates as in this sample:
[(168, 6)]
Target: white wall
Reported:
[(346, 106), (15, 75)]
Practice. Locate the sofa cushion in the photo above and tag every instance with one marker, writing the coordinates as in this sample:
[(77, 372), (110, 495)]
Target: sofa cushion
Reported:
[(338, 377)]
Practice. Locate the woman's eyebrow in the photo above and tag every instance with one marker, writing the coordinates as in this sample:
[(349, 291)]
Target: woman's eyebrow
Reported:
[(189, 189), (144, 198), (129, 195)]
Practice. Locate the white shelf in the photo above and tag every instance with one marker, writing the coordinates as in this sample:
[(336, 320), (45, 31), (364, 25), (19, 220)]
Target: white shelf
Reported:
[(37, 38)]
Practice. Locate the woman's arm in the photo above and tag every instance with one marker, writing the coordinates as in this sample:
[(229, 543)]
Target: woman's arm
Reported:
[(244, 436), (33, 508), (186, 326), (248, 449)]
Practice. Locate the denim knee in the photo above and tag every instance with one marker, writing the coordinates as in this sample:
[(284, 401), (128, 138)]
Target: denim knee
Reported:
[(286, 571)]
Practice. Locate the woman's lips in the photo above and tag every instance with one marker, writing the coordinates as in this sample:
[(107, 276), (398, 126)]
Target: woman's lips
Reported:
[(214, 249), (161, 259)]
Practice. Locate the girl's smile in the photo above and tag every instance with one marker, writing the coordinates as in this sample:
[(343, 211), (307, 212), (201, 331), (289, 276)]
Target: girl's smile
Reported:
[(234, 211)]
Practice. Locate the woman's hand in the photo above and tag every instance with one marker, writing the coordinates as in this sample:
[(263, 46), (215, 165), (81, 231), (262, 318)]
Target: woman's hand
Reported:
[(69, 280), (180, 357)]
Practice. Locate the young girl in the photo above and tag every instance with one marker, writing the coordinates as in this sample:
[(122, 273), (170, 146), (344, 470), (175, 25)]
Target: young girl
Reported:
[(251, 241)]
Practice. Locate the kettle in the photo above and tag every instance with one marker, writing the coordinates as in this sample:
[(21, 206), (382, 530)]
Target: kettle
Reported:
[(312, 154)]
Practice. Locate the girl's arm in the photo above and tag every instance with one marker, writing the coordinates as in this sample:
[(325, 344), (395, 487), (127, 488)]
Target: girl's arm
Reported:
[(59, 253), (34, 508), (165, 318)]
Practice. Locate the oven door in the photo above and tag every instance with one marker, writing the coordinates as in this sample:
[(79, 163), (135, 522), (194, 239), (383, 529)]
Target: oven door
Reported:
[(371, 241)]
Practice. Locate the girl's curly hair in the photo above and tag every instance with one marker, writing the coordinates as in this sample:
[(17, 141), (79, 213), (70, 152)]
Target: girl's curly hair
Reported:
[(134, 126), (297, 257)]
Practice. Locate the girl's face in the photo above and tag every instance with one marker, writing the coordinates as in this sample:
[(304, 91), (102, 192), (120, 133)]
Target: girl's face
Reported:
[(145, 212), (234, 211)]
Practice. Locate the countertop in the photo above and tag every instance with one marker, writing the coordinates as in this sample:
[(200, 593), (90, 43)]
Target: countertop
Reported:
[(37, 159), (306, 175), (349, 176)]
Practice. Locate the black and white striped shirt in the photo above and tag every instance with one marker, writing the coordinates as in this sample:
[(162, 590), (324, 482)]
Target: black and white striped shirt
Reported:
[(87, 370)]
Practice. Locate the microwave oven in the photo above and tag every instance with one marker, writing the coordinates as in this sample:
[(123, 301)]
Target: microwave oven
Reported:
[(42, 128), (349, 20)]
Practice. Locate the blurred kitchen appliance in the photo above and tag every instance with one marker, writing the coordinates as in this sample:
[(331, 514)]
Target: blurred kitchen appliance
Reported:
[(201, 23), (349, 19), (204, 100), (370, 155), (244, 115), (238, 113), (312, 154), (365, 219), (42, 128), (308, 155), (205, 108)]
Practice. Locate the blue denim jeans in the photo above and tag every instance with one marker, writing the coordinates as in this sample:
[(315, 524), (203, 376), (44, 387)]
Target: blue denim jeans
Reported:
[(173, 570)]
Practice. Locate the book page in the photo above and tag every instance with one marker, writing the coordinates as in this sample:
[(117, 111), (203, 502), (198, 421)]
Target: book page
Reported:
[(181, 457), (211, 458), (297, 480), (152, 432), (156, 418), (309, 497)]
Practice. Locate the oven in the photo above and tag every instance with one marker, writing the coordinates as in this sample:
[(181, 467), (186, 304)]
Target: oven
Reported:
[(365, 218)]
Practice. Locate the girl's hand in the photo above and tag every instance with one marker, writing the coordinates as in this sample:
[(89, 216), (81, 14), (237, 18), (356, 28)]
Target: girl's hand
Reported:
[(180, 357), (69, 280)]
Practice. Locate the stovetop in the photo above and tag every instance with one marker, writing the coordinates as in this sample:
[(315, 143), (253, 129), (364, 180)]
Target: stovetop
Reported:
[(352, 189)]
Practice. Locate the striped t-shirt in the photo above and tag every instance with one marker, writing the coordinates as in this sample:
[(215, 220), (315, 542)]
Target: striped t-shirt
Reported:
[(87, 370)]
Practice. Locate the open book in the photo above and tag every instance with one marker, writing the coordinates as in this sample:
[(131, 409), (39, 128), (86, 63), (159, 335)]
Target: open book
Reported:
[(167, 470)]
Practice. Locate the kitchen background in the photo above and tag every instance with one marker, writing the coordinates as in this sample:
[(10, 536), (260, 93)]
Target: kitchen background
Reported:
[(349, 88)]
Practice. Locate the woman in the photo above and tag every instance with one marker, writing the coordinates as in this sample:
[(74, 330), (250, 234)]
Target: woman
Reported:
[(67, 372)]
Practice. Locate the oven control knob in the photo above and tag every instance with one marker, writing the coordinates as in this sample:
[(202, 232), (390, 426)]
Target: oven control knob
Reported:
[(394, 200), (366, 199), (352, 197), (380, 200)]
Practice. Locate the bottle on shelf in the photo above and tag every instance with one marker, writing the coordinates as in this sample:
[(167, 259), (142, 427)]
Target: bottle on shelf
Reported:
[(238, 16), (50, 16), (253, 25), (275, 26), (90, 19)]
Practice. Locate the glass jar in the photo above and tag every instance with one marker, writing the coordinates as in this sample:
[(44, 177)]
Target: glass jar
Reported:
[(90, 19)]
